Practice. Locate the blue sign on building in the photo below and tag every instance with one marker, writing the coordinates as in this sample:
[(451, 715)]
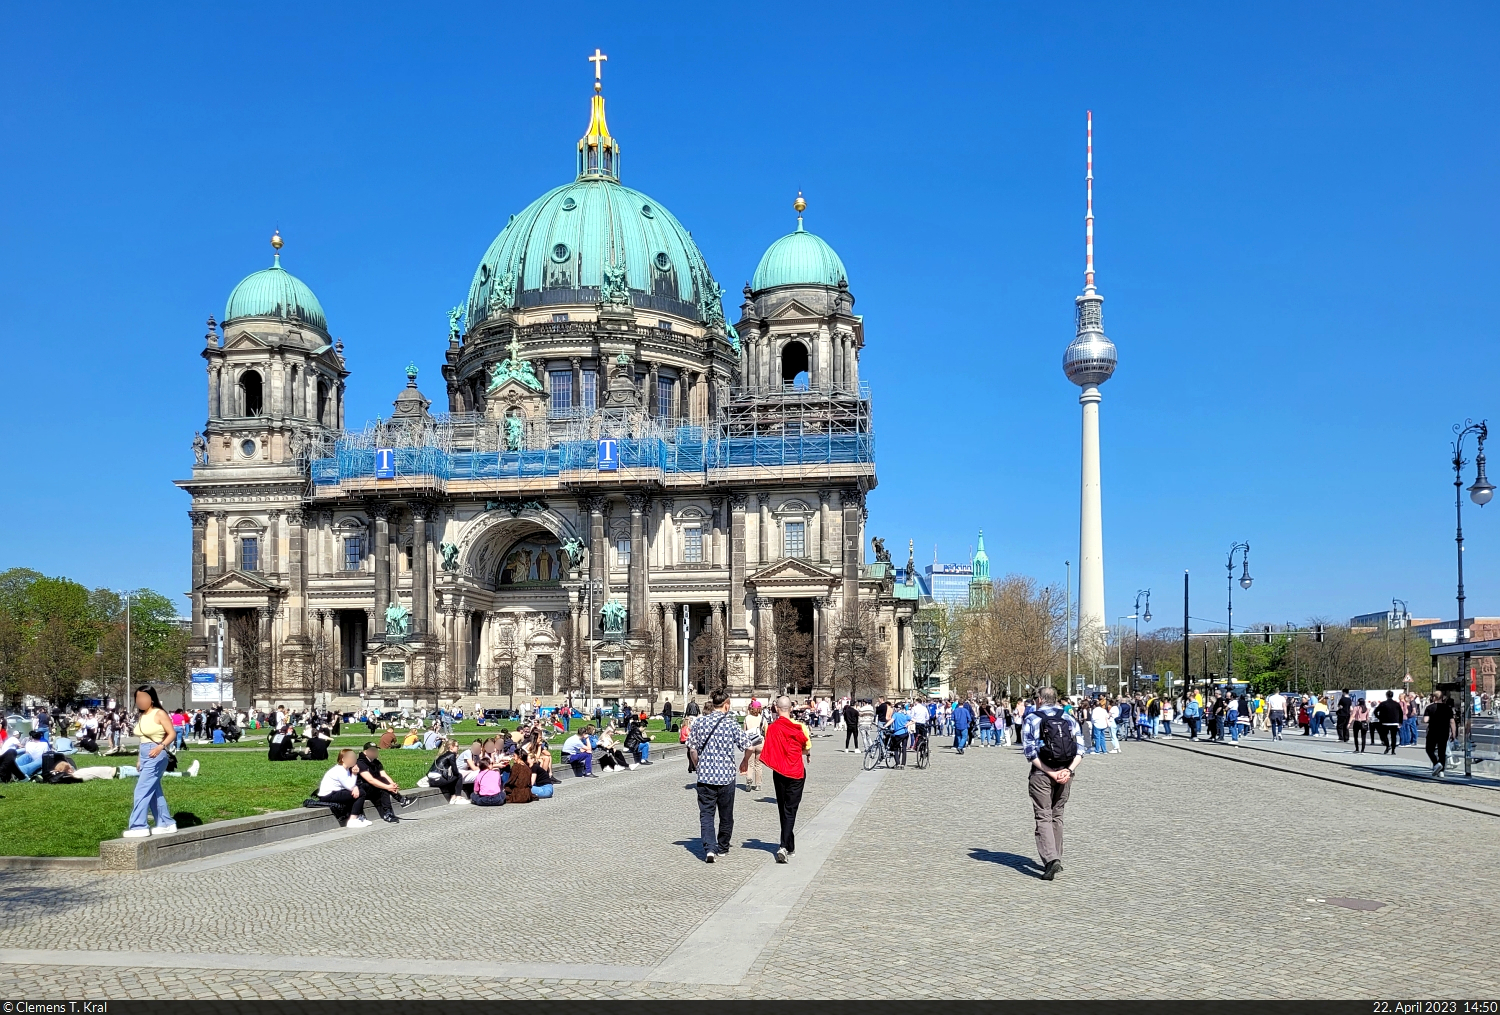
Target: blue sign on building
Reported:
[(385, 463), (609, 454)]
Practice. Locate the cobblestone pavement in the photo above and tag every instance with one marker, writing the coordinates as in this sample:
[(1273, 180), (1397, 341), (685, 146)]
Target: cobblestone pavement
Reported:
[(1185, 876)]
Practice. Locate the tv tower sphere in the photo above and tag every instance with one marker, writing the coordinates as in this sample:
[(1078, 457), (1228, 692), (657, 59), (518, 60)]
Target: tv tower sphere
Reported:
[(1090, 358)]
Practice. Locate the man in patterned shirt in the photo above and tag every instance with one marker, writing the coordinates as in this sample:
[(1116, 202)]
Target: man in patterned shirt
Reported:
[(1052, 742), (720, 743)]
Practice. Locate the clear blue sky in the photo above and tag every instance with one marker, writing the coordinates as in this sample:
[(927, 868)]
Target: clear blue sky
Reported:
[(1295, 241)]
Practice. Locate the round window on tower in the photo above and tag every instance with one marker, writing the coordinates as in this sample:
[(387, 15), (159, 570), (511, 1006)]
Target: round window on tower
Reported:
[(560, 253), (646, 211), (569, 204), (663, 261), (247, 448)]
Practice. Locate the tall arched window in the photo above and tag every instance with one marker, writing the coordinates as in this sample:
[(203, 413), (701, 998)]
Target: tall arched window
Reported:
[(542, 682), (794, 365), (322, 401), (251, 397)]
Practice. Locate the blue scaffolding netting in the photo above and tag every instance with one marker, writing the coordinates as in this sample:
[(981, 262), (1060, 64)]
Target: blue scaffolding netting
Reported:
[(690, 452)]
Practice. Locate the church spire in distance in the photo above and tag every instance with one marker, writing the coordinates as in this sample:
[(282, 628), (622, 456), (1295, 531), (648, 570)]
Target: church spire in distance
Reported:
[(598, 152)]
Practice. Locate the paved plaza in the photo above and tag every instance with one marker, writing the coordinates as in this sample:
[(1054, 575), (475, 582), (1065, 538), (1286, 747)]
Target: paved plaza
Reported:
[(1186, 875)]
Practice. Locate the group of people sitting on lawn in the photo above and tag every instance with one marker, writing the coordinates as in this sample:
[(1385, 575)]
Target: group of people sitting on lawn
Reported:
[(513, 767)]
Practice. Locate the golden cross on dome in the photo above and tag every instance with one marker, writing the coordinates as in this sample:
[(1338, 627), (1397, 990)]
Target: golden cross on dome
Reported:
[(598, 61)]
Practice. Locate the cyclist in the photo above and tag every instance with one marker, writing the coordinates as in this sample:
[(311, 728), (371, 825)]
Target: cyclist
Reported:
[(896, 733)]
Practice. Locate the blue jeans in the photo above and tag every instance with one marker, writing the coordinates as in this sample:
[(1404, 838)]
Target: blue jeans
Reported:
[(961, 738), (1099, 744), (1234, 730), (27, 764), (583, 758), (1278, 719), (643, 750), (148, 795), (1166, 727), (1408, 732)]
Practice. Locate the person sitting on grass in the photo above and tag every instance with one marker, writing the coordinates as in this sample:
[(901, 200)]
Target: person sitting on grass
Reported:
[(468, 765), (381, 788), (387, 739), (412, 741), (432, 739), (489, 788), (317, 744), (282, 745), (340, 787), (57, 769)]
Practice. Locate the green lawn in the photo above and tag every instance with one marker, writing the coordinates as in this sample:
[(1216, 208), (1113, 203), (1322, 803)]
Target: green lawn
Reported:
[(70, 820)]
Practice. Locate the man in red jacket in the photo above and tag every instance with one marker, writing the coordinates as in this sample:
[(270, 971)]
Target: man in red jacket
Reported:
[(788, 746)]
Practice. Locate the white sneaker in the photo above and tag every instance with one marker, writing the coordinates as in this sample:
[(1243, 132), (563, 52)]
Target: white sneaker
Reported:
[(634, 766), (193, 769), (422, 783), (165, 829), (458, 800), (358, 822), (135, 833)]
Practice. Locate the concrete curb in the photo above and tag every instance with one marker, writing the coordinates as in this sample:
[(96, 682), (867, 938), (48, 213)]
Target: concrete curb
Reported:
[(1392, 790), (71, 863)]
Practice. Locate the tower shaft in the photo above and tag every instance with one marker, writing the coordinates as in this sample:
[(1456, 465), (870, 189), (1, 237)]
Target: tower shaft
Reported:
[(1091, 615)]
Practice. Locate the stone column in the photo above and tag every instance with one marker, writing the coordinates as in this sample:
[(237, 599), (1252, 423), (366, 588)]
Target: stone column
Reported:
[(420, 592), (271, 552), (737, 560), (853, 365), (579, 630), (598, 548), (221, 537), (577, 365), (199, 520), (715, 555), (764, 531), (765, 642), (666, 542), (267, 682), (853, 503), (297, 593), (671, 668), (823, 541), (382, 569), (636, 596), (820, 642)]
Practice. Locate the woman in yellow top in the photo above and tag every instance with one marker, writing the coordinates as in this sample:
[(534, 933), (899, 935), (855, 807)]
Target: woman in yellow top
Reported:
[(154, 727)]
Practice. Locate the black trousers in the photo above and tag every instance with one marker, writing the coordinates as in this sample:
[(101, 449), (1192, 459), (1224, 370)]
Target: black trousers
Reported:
[(851, 735), (345, 803), (788, 799), (1361, 731), (380, 798), (711, 799), (1437, 750), (1343, 729)]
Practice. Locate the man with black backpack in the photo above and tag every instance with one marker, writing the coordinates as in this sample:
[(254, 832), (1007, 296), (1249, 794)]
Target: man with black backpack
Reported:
[(1052, 741)]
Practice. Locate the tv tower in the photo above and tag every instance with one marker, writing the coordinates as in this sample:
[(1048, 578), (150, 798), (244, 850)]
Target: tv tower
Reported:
[(1090, 361)]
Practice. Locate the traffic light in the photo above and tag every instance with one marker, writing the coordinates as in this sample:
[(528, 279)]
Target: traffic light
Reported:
[(1318, 634), (1266, 634)]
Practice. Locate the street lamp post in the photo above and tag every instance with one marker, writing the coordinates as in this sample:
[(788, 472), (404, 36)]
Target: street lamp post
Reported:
[(1135, 667), (1068, 617), (1244, 550), (1480, 493), (1404, 615)]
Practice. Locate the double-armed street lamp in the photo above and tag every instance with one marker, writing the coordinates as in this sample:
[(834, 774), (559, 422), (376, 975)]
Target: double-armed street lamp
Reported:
[(1480, 493), (1244, 550), (1135, 672)]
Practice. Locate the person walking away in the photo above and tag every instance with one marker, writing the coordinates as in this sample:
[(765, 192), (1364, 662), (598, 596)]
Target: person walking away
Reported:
[(755, 731), (962, 717), (1051, 740), (1098, 720), (1192, 714), (155, 729), (1442, 722), (851, 728), (787, 749), (715, 745), (1389, 715), (1276, 704), (666, 715), (1342, 715), (1359, 726)]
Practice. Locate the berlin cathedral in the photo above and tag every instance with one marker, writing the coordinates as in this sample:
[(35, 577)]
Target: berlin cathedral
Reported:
[(627, 499)]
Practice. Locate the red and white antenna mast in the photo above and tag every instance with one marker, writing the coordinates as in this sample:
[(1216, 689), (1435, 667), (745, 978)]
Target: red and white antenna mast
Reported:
[(1088, 218)]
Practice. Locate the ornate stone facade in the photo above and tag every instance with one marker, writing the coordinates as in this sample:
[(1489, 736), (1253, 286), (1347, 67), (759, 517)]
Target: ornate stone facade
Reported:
[(522, 559)]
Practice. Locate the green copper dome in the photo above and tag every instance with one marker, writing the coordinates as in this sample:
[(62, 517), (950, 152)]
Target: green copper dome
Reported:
[(275, 292), (798, 258), (595, 240)]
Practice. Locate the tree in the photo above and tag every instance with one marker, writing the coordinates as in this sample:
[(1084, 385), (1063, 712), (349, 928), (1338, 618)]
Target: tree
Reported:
[(1015, 634), (860, 655), (54, 664), (793, 666), (708, 664), (934, 638)]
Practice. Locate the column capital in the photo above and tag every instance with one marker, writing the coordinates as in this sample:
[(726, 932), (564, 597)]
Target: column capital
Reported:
[(716, 502), (274, 513), (737, 499), (380, 510), (592, 503), (852, 496), (296, 516), (667, 503), (637, 501), (221, 516), (824, 496), (198, 518)]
